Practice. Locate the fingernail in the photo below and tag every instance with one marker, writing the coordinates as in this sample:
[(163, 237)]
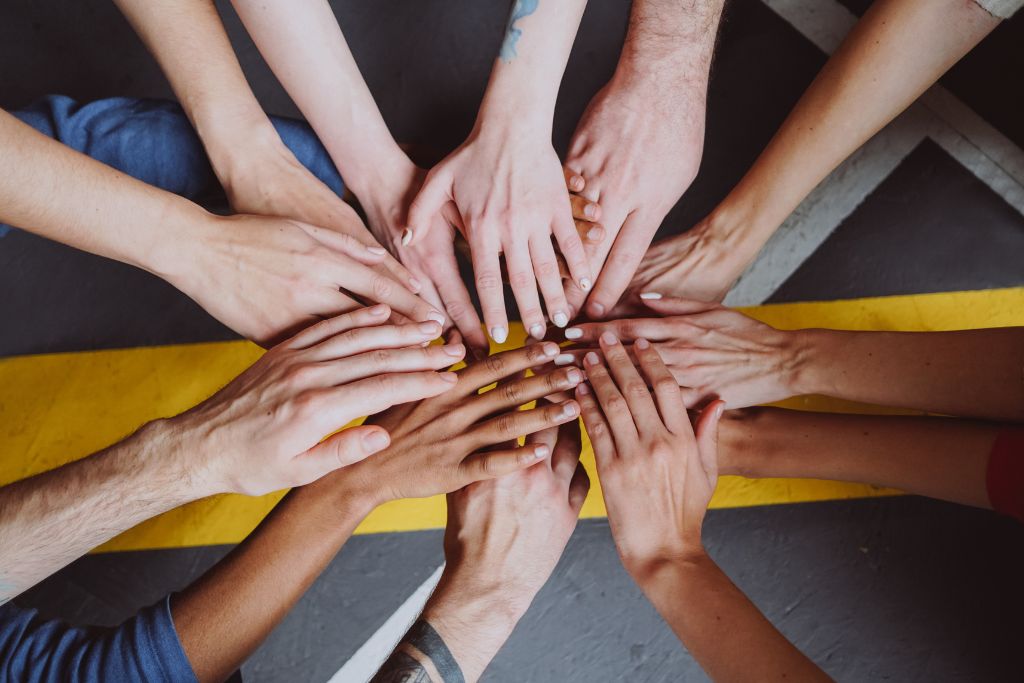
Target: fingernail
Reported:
[(597, 309), (574, 376), (590, 211), (564, 359), (537, 331), (642, 344), (577, 182), (560, 318), (585, 284), (541, 451), (376, 440), (582, 389), (499, 334), (573, 333), (650, 296), (378, 310), (415, 284), (570, 409), (719, 410), (435, 316), (594, 234), (449, 377), (376, 250), (455, 350), (609, 338), (549, 348), (590, 358), (429, 328), (406, 236)]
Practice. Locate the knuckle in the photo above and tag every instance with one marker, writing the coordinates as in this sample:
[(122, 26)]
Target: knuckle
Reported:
[(597, 428), (506, 424), (545, 269), (615, 404), (520, 279), (665, 384), (487, 282), (512, 392), (495, 365), (635, 388), (380, 358)]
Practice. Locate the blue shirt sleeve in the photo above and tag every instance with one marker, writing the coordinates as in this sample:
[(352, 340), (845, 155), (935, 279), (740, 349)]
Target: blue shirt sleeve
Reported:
[(143, 648)]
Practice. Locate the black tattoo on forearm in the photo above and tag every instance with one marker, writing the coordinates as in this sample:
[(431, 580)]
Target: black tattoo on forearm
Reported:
[(403, 668)]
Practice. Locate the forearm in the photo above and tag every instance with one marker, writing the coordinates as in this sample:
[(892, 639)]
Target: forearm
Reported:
[(49, 520), (307, 51), (719, 625), (188, 40), (51, 190), (524, 82), (896, 51), (225, 615), (970, 373)]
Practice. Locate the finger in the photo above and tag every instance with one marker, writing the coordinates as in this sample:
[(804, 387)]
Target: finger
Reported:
[(665, 386), (627, 330), (574, 182), (380, 361), (571, 246), (583, 209), (598, 431), (676, 305), (590, 233), (379, 287), (344, 448), (433, 195), (315, 334), (484, 253), (579, 487), (494, 464), (457, 302), (510, 395), (341, 405), (517, 423), (524, 288), (628, 250), (546, 267), (612, 403), (631, 384), (476, 376), (565, 455), (363, 339), (707, 437), (368, 254)]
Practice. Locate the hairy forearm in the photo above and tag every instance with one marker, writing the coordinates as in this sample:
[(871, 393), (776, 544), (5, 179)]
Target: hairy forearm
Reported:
[(225, 615), (188, 40), (719, 625), (51, 190), (943, 458), (970, 373), (49, 520), (896, 51), (670, 42), (307, 51), (534, 51)]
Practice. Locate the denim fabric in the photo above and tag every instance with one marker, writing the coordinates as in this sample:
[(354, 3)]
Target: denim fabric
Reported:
[(153, 140)]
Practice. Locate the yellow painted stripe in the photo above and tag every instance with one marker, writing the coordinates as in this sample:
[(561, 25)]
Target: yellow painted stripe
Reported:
[(56, 408)]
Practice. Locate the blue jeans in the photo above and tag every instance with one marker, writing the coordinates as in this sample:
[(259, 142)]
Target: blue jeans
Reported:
[(152, 140)]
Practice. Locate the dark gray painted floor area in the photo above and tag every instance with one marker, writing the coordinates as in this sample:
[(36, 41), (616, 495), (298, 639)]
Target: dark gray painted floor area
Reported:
[(888, 589)]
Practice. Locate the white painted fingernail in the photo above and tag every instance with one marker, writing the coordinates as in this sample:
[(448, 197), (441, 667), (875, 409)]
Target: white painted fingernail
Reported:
[(406, 236), (570, 409), (436, 317), (585, 284), (377, 250), (650, 296), (573, 333), (560, 318), (499, 334), (537, 331), (565, 359), (541, 451)]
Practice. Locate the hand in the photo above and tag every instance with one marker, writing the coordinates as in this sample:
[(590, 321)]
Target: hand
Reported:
[(268, 277), (263, 431), (503, 539), (638, 146), (267, 180), (431, 258), (509, 189), (657, 475), (712, 351), (443, 444)]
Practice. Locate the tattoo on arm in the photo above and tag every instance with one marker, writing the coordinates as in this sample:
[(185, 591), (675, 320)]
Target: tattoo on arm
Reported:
[(520, 9), (430, 653)]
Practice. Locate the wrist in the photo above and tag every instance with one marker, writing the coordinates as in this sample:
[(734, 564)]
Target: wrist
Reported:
[(185, 240), (516, 109), (649, 570), (810, 352), (170, 445)]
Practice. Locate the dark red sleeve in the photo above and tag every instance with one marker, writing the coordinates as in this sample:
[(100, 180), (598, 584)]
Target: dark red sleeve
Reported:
[(1005, 477)]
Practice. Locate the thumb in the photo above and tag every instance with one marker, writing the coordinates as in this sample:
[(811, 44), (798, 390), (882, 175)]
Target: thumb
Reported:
[(707, 436), (675, 305), (435, 193), (344, 448)]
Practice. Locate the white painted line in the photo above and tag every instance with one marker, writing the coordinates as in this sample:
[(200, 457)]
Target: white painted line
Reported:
[(364, 663)]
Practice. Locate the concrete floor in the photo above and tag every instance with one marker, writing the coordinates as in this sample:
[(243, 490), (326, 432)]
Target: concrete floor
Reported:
[(882, 589)]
